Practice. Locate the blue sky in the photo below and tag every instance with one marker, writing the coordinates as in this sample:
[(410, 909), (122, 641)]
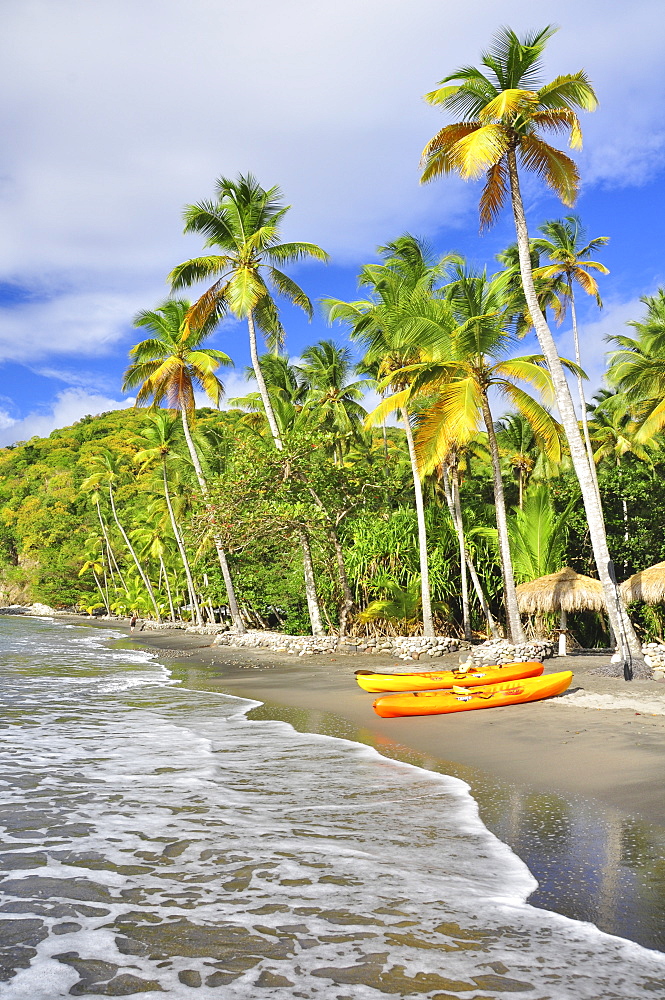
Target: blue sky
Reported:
[(119, 113)]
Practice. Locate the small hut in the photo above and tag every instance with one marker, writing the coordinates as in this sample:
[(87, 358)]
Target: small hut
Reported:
[(648, 585), (561, 592)]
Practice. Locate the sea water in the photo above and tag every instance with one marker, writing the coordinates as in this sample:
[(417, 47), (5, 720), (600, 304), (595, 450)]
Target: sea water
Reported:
[(156, 840)]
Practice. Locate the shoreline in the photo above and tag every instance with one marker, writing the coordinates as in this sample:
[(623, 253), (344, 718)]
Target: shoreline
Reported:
[(576, 792), (609, 754)]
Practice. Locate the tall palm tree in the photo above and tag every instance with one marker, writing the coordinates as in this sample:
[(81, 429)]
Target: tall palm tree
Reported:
[(565, 244), (464, 347), (243, 226), (409, 274), (167, 367), (505, 109), (158, 438)]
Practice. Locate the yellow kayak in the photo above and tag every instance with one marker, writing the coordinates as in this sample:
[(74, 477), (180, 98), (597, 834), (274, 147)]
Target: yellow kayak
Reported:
[(462, 699), (431, 680)]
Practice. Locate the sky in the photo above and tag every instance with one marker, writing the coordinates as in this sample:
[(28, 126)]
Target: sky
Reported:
[(118, 113)]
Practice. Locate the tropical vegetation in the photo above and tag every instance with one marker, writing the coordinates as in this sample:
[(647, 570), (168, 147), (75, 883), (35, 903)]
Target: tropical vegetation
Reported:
[(300, 507)]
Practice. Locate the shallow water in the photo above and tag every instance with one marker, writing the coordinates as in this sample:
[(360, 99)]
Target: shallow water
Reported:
[(157, 840)]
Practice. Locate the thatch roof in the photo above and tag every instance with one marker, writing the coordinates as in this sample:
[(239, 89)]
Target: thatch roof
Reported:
[(562, 591), (648, 585)]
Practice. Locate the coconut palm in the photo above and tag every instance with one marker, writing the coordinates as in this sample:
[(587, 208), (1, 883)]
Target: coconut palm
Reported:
[(109, 473), (505, 110), (243, 226), (167, 367), (408, 275), (565, 244), (464, 347), (637, 367), (158, 436), (331, 398)]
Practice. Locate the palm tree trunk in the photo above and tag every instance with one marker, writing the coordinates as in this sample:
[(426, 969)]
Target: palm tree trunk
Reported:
[(428, 622), (181, 547), (616, 610), (260, 381), (111, 556), (580, 389), (310, 583), (168, 588), (238, 623), (312, 600), (513, 620), (101, 592), (142, 574), (448, 487)]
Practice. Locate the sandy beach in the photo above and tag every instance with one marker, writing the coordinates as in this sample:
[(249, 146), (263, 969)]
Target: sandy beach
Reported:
[(576, 744)]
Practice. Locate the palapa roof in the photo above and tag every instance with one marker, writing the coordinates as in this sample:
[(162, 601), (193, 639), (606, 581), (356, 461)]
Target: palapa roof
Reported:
[(565, 590), (648, 585)]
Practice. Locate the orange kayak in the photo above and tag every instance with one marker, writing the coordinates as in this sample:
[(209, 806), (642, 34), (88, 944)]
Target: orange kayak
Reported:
[(461, 699), (431, 680)]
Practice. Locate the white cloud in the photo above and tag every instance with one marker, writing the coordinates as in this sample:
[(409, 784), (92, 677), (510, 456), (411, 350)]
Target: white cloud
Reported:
[(122, 112), (69, 406)]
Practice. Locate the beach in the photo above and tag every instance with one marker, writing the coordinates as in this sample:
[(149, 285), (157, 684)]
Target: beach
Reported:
[(574, 745), (574, 785), (181, 816)]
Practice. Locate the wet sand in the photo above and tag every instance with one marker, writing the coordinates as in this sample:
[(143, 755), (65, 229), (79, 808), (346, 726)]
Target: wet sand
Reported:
[(614, 755), (577, 792)]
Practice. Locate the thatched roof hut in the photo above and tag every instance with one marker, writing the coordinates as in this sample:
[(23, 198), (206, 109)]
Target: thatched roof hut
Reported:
[(565, 590), (648, 585)]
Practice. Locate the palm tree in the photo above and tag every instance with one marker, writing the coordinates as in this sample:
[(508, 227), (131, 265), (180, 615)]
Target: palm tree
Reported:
[(637, 368), (166, 368), (464, 358), (565, 245), (505, 110), (244, 224), (108, 473), (408, 275), (331, 398), (158, 436)]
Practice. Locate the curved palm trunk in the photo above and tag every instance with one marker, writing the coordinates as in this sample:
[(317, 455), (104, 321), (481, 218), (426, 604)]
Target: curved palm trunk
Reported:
[(459, 531), (221, 554), (308, 565), (621, 624), (181, 550), (580, 389), (428, 623), (142, 574), (310, 584), (168, 588), (452, 494), (109, 551), (260, 381), (105, 600), (513, 620)]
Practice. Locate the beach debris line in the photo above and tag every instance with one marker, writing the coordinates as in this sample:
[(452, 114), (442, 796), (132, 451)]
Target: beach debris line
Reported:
[(461, 699)]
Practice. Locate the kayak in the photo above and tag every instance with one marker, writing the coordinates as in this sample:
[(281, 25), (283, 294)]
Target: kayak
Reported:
[(430, 680), (462, 699)]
